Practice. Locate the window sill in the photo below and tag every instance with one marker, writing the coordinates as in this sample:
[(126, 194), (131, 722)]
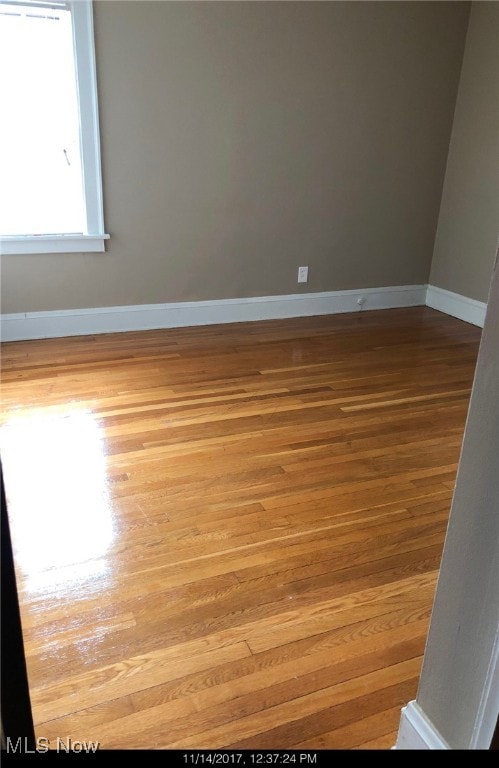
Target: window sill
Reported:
[(53, 244)]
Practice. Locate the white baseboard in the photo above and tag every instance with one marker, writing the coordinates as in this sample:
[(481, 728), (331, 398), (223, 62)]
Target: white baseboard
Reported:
[(81, 322), (454, 304), (416, 731), (486, 716)]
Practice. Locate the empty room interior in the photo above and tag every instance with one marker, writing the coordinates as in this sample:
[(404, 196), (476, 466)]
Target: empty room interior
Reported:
[(249, 368)]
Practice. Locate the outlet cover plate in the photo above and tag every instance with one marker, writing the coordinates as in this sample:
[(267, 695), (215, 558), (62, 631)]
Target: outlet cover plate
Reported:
[(302, 274)]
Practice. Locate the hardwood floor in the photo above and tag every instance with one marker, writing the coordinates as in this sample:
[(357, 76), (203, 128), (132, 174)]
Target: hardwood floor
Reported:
[(229, 536)]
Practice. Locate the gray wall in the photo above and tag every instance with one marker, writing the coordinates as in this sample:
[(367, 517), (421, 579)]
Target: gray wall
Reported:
[(468, 226), (466, 612), (241, 140)]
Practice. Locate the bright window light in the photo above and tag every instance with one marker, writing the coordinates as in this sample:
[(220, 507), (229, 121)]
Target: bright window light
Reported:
[(42, 190), (61, 512), (50, 186)]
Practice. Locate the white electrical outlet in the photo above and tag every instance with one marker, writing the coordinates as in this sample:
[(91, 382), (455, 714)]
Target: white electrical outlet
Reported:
[(303, 274)]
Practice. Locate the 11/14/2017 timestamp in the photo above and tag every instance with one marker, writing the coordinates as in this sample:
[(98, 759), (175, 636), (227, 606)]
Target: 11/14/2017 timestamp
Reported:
[(290, 758)]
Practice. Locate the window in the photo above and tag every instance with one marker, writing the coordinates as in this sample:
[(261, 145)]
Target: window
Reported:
[(50, 176)]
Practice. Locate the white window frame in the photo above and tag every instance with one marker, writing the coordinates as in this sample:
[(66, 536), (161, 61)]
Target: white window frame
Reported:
[(94, 237)]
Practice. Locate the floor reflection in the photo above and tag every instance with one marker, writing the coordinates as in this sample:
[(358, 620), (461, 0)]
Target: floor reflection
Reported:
[(61, 516)]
